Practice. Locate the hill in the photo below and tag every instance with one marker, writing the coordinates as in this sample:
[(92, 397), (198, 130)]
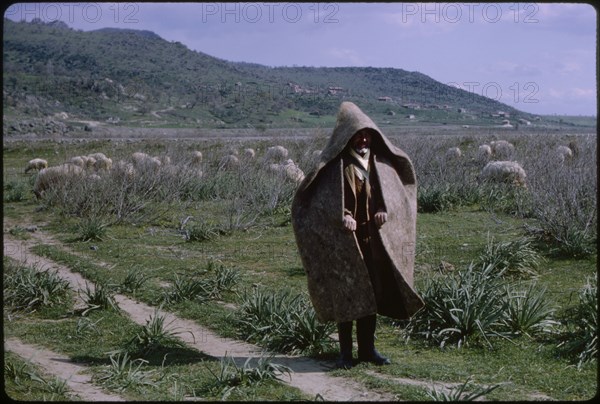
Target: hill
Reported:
[(136, 78)]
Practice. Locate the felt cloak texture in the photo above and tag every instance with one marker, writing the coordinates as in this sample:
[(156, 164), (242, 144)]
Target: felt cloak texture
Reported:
[(338, 279)]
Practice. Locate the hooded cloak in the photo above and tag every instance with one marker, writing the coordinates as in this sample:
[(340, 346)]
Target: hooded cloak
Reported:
[(339, 285)]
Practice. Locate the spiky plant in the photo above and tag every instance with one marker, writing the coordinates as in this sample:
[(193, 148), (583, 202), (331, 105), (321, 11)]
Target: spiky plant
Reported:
[(517, 257), (469, 305), (528, 312), (28, 289)]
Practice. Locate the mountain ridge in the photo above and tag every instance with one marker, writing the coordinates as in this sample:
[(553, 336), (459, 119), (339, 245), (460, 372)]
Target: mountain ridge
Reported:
[(123, 75)]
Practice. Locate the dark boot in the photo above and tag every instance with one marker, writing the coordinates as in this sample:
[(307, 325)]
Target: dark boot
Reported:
[(345, 336), (365, 335)]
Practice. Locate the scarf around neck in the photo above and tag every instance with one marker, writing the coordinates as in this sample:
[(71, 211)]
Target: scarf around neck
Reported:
[(363, 161)]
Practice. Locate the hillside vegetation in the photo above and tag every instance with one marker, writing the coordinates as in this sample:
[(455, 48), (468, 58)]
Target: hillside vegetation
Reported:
[(136, 78)]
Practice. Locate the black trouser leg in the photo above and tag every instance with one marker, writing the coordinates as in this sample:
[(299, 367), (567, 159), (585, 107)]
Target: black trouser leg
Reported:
[(365, 335), (345, 337)]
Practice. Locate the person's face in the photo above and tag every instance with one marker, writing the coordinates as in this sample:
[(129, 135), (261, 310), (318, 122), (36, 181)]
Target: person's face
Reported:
[(361, 142)]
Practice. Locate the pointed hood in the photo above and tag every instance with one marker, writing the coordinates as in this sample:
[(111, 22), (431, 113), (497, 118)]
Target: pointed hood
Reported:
[(351, 119)]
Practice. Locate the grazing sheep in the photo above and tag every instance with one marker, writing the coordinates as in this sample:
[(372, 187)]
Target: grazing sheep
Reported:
[(36, 164), (54, 176), (564, 153), (143, 161), (501, 149), (97, 156), (196, 158), (123, 169), (289, 169), (77, 161), (504, 171), (484, 153), (103, 164), (293, 172), (139, 157), (276, 154), (229, 161), (249, 153), (453, 153), (88, 161)]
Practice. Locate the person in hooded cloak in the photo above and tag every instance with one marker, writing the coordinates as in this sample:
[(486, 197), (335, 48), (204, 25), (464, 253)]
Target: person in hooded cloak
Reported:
[(354, 220)]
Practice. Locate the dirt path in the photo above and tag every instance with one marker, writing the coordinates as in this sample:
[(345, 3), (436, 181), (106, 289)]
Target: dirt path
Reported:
[(308, 375), (61, 367)]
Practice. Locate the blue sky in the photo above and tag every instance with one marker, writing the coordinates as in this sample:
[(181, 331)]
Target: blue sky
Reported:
[(537, 57)]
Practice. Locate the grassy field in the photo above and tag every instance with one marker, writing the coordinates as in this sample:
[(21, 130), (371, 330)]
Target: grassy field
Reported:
[(156, 236)]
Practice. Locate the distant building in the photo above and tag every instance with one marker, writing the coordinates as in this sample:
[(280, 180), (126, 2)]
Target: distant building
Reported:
[(384, 99), (524, 122), (334, 90)]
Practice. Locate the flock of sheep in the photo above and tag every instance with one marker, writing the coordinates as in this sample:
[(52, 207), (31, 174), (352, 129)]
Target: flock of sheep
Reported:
[(496, 155), (498, 167), (93, 166)]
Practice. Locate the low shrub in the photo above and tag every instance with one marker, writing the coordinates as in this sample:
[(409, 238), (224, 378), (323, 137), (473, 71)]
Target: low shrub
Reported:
[(153, 336), (579, 338), (460, 308), (282, 322), (517, 257), (231, 376), (16, 191), (200, 287), (527, 311), (28, 289)]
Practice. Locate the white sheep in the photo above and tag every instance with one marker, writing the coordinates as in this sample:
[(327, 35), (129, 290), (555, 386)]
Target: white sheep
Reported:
[(36, 164), (196, 158), (88, 161), (484, 153), (564, 153), (97, 156), (77, 161), (293, 172), (276, 154), (103, 164), (289, 169), (249, 153), (54, 176), (139, 157), (229, 161), (504, 171), (501, 149), (123, 169), (143, 161), (453, 153)]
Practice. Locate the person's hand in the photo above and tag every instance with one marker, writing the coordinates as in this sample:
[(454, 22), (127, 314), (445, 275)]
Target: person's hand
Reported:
[(380, 218), (349, 223)]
